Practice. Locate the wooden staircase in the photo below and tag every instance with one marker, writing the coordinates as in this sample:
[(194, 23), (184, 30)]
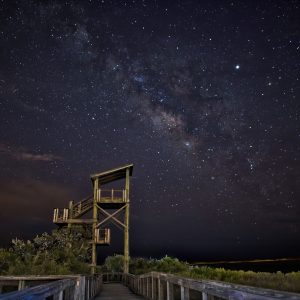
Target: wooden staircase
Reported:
[(80, 208), (75, 211)]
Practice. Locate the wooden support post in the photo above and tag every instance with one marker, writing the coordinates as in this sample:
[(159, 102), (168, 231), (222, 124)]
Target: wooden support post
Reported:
[(160, 290), (21, 285), (204, 296), (184, 293), (95, 219), (142, 286), (170, 291), (152, 287), (87, 288), (65, 214), (79, 291), (126, 223), (55, 215), (70, 213), (148, 289), (61, 295)]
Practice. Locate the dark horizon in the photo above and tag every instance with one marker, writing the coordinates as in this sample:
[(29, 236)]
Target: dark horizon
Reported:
[(202, 97)]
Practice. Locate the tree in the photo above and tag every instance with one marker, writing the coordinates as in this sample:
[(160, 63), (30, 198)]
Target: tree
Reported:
[(65, 251), (114, 264)]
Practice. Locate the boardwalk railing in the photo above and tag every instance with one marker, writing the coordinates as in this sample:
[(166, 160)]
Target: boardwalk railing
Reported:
[(160, 286), (113, 277), (59, 288), (154, 286)]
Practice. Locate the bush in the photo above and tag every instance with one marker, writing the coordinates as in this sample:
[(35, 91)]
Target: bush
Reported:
[(114, 264), (65, 251), (171, 265)]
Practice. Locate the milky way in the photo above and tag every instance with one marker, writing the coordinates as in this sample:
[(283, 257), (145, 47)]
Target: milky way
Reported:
[(202, 96)]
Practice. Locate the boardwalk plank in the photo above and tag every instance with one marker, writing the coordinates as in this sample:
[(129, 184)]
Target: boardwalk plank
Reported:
[(117, 291)]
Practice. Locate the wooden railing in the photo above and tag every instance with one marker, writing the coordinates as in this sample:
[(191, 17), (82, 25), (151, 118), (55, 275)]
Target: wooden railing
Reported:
[(102, 236), (111, 196), (82, 206), (61, 287), (113, 277), (155, 286), (77, 209), (60, 216), (160, 286)]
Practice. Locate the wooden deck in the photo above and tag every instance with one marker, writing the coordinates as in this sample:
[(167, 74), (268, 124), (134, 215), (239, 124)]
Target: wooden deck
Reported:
[(117, 291)]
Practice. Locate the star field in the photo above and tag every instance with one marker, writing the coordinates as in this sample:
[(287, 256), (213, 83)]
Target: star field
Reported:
[(202, 96)]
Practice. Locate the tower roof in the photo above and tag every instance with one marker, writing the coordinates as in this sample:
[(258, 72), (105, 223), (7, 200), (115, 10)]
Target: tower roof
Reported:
[(112, 175)]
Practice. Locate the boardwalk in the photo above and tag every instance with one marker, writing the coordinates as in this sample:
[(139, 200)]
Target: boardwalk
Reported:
[(117, 291)]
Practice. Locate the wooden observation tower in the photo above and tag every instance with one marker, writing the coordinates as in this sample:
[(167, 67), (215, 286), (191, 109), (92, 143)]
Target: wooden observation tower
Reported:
[(101, 203)]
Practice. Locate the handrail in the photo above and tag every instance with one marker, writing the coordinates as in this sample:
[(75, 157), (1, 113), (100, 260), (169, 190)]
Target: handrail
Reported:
[(79, 208), (160, 286), (73, 287), (113, 277), (43, 291), (111, 195)]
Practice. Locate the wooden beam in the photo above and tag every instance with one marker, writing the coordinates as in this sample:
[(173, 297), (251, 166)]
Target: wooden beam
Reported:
[(109, 216), (126, 222), (95, 220)]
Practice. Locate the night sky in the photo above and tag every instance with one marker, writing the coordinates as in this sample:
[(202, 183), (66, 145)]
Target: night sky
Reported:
[(201, 96)]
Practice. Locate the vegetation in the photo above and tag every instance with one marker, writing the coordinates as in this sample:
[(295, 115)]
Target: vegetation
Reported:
[(278, 281), (67, 251)]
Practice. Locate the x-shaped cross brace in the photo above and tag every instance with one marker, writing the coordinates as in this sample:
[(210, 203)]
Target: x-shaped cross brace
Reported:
[(111, 216)]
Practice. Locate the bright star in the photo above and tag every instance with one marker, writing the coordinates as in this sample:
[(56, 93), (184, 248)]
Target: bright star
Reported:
[(187, 144), (237, 67)]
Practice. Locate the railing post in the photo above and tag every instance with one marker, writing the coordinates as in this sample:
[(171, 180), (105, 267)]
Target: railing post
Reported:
[(152, 287), (21, 285), (65, 214), (55, 215), (140, 286), (143, 287), (160, 289), (79, 288), (59, 296), (184, 293), (147, 287), (204, 296), (170, 291)]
